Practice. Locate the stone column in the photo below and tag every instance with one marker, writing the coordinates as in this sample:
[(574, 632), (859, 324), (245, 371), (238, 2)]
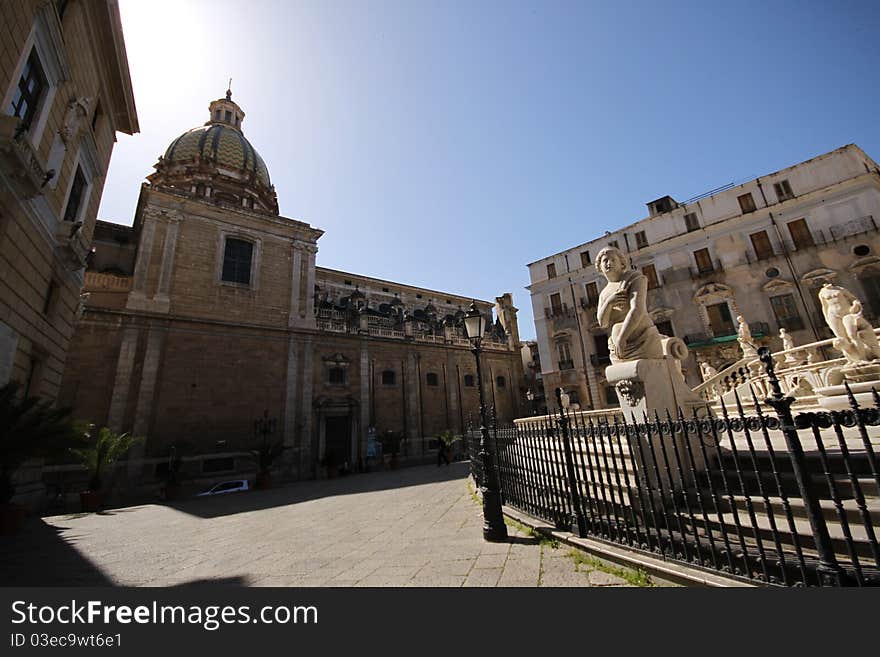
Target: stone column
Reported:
[(307, 301), (122, 380), (168, 251), (290, 393), (366, 385), (412, 399), (305, 440), (145, 251), (296, 284), (452, 389), (146, 393)]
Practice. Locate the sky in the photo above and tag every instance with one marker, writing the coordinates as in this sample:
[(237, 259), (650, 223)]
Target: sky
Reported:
[(447, 144)]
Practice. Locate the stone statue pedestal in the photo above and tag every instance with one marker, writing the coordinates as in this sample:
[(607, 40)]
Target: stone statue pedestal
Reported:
[(861, 377), (653, 387)]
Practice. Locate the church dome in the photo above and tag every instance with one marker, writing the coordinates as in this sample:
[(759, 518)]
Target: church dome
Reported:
[(221, 144), (216, 162)]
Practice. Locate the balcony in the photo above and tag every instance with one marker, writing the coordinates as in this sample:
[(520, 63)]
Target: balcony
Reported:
[(18, 159), (714, 268), (853, 227), (71, 244)]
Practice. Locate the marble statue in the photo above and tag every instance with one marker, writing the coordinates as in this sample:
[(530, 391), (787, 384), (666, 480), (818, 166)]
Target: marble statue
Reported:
[(853, 334), (707, 370), (623, 308), (788, 345), (77, 111), (744, 337)]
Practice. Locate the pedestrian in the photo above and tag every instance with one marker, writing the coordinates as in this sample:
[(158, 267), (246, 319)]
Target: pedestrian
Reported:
[(441, 455)]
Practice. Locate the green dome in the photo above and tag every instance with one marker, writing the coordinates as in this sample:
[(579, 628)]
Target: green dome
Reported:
[(222, 144)]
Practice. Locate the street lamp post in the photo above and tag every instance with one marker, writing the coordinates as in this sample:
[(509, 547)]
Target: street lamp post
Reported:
[(494, 528), (531, 397)]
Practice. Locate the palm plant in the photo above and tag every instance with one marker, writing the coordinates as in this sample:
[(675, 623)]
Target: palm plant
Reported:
[(103, 450), (29, 428), (448, 438)]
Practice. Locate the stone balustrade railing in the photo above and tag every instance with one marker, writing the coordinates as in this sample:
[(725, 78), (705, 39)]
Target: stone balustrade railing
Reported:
[(801, 370)]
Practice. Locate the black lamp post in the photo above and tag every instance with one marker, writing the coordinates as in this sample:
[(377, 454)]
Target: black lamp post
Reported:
[(531, 397), (494, 528)]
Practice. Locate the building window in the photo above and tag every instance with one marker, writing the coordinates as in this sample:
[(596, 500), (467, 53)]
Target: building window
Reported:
[(665, 328), (564, 352), (228, 115), (574, 397), (641, 240), (468, 380), (800, 234), (871, 286), (592, 293), (74, 201), (786, 312), (761, 244), (432, 379), (336, 376), (746, 202), (613, 243), (585, 258), (500, 381), (704, 261), (602, 355), (783, 190), (556, 303), (691, 222), (720, 321), (651, 274), (388, 378), (30, 90), (551, 270), (237, 259)]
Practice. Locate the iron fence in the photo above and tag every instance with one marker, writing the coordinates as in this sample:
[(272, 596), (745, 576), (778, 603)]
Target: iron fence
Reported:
[(749, 490)]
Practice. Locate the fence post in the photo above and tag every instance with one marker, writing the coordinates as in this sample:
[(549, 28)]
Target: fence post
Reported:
[(829, 571), (578, 525)]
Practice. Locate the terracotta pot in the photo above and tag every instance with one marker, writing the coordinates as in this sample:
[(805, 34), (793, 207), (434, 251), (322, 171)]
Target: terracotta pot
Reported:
[(264, 481), (12, 517), (91, 500)]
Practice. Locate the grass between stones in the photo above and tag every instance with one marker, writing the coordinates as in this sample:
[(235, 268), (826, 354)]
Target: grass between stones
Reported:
[(634, 576)]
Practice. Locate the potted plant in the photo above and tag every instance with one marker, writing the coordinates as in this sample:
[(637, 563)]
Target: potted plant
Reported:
[(265, 456), (29, 428), (101, 450), (447, 440)]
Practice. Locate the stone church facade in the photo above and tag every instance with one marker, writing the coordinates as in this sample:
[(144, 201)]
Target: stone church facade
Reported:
[(210, 311)]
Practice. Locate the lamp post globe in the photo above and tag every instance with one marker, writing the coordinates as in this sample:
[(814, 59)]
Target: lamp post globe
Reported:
[(494, 528)]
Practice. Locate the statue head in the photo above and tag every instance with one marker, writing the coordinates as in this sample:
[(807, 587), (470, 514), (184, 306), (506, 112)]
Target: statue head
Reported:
[(611, 263)]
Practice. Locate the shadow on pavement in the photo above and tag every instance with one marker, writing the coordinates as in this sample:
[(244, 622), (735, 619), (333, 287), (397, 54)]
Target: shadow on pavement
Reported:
[(222, 505), (60, 563)]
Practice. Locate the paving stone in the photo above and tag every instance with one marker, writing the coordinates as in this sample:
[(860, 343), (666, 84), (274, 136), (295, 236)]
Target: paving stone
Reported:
[(390, 528)]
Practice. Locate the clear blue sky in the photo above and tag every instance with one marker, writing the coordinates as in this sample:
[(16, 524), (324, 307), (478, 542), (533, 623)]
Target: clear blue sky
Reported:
[(447, 144)]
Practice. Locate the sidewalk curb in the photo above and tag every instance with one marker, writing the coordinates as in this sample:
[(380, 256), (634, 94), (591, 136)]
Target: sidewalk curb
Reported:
[(658, 569)]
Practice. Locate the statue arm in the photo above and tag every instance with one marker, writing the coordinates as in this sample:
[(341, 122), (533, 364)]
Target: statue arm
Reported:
[(638, 307)]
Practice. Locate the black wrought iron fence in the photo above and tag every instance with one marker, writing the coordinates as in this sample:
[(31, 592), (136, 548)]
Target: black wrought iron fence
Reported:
[(749, 491)]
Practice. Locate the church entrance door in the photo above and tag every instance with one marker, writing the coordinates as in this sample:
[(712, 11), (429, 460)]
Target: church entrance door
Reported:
[(337, 437)]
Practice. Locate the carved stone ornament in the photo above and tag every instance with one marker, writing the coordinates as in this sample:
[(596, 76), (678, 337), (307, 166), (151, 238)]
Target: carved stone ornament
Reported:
[(632, 390), (77, 111)]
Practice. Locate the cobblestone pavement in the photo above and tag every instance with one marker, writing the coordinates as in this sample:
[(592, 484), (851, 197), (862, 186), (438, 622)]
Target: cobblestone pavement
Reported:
[(411, 527)]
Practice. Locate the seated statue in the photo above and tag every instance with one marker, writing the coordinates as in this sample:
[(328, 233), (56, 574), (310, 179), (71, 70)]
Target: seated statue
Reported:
[(623, 308), (854, 336)]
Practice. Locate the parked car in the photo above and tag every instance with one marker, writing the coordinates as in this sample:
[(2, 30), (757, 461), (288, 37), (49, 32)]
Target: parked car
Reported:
[(224, 487)]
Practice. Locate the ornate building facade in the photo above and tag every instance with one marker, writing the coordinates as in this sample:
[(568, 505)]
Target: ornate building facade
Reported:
[(66, 92), (210, 311), (760, 250)]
